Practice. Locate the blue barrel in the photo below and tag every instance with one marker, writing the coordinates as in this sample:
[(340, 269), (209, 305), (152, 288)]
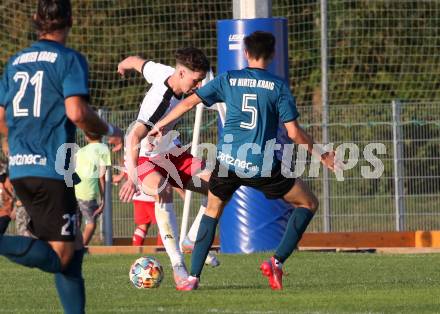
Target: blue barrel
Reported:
[(250, 222)]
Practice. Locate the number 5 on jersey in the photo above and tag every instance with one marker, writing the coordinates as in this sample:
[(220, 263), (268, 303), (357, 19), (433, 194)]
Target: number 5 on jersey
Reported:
[(37, 81), (246, 106)]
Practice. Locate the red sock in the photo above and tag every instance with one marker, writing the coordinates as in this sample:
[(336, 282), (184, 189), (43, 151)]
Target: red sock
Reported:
[(138, 237)]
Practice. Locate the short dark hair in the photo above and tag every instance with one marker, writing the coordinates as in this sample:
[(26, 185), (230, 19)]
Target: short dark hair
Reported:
[(192, 58), (93, 136), (52, 15), (260, 44)]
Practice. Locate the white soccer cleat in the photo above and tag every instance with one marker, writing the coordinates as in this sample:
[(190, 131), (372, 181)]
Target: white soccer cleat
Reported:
[(188, 247), (180, 273), (212, 260)]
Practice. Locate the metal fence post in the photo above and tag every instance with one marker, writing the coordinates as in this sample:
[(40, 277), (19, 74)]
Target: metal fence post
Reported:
[(108, 209), (399, 201), (251, 9), (107, 217), (325, 118)]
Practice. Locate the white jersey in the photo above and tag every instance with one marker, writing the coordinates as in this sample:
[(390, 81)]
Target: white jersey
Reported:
[(157, 102)]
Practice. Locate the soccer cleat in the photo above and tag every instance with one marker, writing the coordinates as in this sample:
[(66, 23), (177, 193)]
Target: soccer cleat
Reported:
[(180, 274), (212, 260), (273, 272), (191, 283), (188, 247)]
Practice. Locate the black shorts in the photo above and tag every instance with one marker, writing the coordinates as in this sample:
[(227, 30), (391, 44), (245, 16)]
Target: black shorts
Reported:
[(273, 187), (51, 205)]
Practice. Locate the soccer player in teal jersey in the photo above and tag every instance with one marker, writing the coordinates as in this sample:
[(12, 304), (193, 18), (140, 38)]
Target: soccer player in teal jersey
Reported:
[(43, 97), (255, 103)]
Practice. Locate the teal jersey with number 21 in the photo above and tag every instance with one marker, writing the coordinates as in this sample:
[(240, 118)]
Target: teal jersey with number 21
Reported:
[(256, 101), (35, 83)]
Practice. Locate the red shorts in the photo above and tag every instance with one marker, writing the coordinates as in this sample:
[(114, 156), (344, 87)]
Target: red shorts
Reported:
[(144, 212), (184, 166)]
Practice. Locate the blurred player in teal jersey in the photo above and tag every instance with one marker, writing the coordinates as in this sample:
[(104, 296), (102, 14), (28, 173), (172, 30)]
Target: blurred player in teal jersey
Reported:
[(256, 101), (44, 96)]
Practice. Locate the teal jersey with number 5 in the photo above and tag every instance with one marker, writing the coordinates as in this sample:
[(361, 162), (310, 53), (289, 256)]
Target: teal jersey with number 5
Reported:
[(256, 101), (35, 83)]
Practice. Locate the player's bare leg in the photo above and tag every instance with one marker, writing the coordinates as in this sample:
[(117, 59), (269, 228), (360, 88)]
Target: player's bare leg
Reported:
[(300, 195), (199, 184), (215, 206), (89, 230), (64, 251), (306, 204)]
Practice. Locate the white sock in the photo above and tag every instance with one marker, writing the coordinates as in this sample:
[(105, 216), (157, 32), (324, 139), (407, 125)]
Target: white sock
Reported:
[(192, 234), (167, 224)]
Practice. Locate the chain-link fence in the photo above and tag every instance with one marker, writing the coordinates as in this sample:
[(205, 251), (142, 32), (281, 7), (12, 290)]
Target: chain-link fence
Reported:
[(378, 50), (408, 190)]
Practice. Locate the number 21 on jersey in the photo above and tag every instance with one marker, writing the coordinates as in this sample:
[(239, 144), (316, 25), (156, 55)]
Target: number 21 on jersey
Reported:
[(37, 81), (247, 106)]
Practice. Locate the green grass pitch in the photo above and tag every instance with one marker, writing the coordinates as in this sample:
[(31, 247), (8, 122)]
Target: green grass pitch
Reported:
[(316, 283)]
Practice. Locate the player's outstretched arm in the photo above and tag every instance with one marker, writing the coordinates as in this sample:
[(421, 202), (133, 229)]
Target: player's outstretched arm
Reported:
[(300, 137), (83, 116), (130, 63), (178, 111)]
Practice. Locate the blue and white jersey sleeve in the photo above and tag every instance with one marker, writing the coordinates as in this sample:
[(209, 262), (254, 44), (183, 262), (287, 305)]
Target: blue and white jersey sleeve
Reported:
[(287, 105), (76, 82), (213, 92)]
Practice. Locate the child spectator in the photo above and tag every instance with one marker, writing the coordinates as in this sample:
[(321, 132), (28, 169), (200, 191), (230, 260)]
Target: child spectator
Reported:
[(91, 163)]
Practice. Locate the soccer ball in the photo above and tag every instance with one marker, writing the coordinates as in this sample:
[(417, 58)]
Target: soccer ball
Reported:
[(146, 272)]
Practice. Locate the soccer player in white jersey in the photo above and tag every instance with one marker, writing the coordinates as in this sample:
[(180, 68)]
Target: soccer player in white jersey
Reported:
[(145, 162)]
